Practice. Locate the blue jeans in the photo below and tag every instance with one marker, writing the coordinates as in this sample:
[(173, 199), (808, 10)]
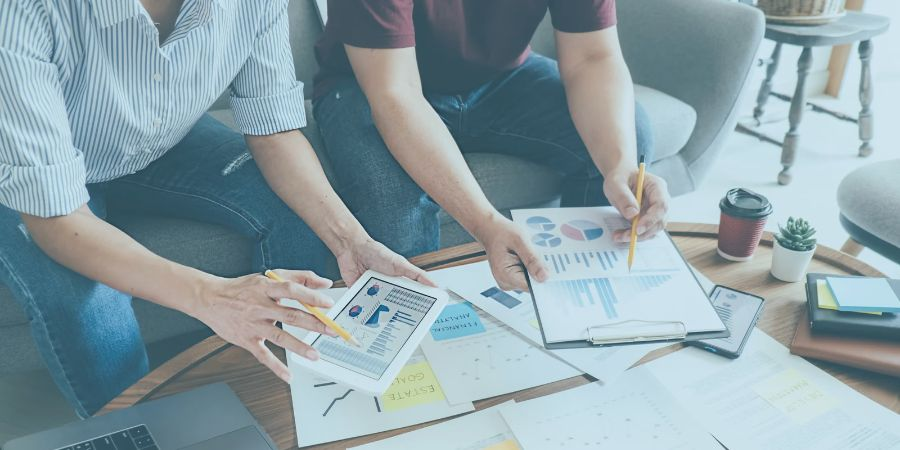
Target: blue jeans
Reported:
[(523, 113), (86, 331)]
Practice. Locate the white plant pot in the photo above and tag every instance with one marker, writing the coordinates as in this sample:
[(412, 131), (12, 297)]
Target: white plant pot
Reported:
[(790, 265)]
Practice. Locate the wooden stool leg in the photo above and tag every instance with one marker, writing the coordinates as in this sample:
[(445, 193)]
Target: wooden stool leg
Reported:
[(851, 247), (766, 88), (865, 99), (791, 139)]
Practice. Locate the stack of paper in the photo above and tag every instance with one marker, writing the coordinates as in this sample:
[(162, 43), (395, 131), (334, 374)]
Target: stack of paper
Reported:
[(592, 294), (481, 430), (861, 294), (325, 411), (476, 356), (771, 399), (489, 347), (475, 283), (634, 412)]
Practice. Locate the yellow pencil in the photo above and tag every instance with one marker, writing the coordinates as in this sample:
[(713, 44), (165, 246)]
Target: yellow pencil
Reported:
[(321, 316), (639, 190)]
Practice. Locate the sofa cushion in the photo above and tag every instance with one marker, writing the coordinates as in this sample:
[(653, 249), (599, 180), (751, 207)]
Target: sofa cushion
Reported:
[(870, 198), (671, 120)]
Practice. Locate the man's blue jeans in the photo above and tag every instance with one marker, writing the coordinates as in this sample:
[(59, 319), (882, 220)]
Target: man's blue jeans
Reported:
[(86, 331), (523, 113)]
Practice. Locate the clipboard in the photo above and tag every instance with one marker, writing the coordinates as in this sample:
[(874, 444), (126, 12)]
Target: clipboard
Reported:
[(631, 332)]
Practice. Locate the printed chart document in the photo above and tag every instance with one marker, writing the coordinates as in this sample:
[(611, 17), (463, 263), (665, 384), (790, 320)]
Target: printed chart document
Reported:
[(480, 430), (475, 356), (325, 411), (590, 286), (475, 283), (771, 399), (634, 412)]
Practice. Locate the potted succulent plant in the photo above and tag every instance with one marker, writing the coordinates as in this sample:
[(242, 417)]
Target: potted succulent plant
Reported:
[(793, 250)]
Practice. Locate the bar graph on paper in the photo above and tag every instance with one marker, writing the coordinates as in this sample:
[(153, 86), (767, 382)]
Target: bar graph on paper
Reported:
[(602, 261), (580, 263), (604, 292)]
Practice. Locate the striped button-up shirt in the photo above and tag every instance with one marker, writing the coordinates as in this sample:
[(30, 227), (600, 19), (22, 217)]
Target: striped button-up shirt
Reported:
[(89, 94)]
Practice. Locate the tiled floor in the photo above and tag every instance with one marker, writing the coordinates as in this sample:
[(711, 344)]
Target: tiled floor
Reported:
[(29, 402)]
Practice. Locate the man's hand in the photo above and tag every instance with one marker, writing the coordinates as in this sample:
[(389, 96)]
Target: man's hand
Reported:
[(620, 188), (244, 311), (509, 254), (368, 254)]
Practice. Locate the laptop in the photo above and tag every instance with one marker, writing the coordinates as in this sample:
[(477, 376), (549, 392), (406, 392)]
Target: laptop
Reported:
[(211, 417)]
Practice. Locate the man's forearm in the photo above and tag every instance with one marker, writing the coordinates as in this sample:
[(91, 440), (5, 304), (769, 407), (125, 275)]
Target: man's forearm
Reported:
[(421, 143), (601, 101), (88, 245), (293, 171)]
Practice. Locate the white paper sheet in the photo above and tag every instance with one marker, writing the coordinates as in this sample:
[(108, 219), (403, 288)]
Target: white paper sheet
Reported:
[(634, 412), (590, 284), (475, 283), (770, 399), (325, 411), (492, 362), (480, 430)]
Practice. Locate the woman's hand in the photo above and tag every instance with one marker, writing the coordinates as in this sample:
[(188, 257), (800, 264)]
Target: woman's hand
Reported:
[(368, 254), (244, 311)]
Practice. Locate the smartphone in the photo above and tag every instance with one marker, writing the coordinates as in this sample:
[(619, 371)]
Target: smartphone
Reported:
[(740, 311)]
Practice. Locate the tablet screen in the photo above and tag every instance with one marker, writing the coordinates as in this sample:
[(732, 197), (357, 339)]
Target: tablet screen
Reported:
[(382, 316)]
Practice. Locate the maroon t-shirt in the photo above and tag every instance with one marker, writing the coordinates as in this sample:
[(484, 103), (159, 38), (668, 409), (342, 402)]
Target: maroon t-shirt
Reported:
[(460, 44)]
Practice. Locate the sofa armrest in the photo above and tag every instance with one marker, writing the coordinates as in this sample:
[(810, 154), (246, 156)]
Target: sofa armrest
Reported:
[(699, 51)]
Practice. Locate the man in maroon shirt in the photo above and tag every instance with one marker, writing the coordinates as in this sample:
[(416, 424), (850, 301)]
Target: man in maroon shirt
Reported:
[(407, 86)]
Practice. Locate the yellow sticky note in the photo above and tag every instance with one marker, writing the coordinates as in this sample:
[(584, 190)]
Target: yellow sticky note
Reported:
[(826, 298), (508, 444), (415, 385), (534, 324), (795, 396)]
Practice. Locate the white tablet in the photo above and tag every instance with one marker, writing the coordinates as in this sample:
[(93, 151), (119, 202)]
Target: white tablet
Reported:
[(388, 316)]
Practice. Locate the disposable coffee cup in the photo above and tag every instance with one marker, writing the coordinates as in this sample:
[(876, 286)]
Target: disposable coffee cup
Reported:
[(741, 223)]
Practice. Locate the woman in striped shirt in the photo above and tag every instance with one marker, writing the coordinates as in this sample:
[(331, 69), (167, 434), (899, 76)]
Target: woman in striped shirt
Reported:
[(103, 102)]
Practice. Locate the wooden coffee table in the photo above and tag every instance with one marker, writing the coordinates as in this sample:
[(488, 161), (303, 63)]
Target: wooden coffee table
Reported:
[(269, 399)]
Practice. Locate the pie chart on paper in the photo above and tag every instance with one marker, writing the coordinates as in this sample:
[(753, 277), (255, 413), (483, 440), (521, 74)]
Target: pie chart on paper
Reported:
[(540, 223), (582, 230), (546, 240)]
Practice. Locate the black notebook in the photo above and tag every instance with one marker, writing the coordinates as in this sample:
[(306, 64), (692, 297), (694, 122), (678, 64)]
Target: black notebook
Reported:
[(884, 326)]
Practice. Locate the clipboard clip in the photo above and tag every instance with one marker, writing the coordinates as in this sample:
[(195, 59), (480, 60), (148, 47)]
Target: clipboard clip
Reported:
[(636, 331)]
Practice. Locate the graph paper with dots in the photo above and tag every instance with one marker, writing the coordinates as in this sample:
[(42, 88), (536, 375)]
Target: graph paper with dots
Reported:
[(634, 412)]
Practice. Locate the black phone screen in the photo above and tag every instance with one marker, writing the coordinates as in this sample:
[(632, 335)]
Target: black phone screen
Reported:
[(739, 311)]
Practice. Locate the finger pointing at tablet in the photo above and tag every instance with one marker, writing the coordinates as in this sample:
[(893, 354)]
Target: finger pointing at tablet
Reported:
[(244, 311)]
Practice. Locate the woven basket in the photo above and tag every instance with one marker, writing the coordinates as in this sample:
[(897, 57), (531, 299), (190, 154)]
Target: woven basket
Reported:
[(809, 12)]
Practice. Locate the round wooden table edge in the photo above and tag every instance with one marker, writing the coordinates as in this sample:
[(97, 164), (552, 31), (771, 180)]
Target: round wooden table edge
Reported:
[(213, 345)]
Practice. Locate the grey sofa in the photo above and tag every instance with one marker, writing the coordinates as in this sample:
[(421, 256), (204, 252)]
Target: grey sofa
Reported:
[(869, 198), (690, 60)]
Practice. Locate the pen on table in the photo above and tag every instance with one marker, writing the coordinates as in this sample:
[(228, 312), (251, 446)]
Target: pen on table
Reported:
[(321, 316), (639, 190)]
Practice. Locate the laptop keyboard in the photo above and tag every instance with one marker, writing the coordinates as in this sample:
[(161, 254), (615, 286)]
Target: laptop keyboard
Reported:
[(135, 438)]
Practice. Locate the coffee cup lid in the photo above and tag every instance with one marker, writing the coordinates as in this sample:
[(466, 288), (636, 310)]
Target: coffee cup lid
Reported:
[(740, 202)]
